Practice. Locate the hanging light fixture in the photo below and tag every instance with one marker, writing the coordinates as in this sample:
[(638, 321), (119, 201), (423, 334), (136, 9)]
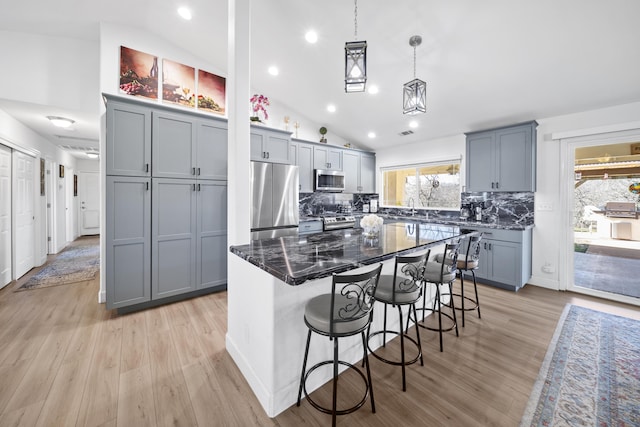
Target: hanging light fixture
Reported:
[(355, 60), (415, 92)]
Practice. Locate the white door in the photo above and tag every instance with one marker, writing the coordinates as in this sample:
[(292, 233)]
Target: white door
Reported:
[(89, 195), (69, 204), (5, 216), (24, 214)]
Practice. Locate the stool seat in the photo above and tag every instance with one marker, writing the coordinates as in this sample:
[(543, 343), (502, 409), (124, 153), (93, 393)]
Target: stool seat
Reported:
[(463, 264), (385, 290), (317, 315), (433, 271)]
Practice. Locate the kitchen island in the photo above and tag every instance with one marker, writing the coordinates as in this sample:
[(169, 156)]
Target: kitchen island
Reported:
[(269, 283)]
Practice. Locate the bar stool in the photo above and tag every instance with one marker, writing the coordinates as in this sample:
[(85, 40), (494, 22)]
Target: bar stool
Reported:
[(402, 288), (470, 263), (440, 274), (337, 315)]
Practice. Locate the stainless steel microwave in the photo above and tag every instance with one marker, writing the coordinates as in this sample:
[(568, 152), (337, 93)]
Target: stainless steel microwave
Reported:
[(327, 180)]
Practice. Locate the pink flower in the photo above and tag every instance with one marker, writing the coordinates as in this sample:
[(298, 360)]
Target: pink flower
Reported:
[(258, 103)]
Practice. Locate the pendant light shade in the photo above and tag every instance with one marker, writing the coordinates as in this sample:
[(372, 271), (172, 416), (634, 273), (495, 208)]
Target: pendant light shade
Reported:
[(355, 71), (414, 93), (355, 60)]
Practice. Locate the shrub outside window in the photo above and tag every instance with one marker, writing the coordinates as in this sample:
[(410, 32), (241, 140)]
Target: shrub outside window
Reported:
[(427, 185)]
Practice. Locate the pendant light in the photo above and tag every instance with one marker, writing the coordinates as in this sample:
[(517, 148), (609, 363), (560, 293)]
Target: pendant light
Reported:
[(355, 60), (414, 92)]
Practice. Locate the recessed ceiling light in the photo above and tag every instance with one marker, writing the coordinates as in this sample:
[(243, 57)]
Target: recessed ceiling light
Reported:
[(273, 70), (311, 36), (373, 89), (61, 122), (413, 124), (371, 134), (185, 13), (331, 108)]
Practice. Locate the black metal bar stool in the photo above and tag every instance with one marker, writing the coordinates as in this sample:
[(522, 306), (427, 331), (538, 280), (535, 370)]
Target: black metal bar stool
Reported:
[(440, 274), (402, 288), (470, 263), (337, 315)]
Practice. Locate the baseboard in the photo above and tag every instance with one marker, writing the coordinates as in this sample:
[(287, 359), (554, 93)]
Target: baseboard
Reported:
[(102, 297), (543, 282)]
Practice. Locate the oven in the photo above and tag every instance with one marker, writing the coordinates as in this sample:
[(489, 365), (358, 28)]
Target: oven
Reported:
[(338, 222)]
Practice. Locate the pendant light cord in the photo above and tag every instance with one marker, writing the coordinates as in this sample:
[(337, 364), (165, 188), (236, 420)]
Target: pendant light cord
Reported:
[(355, 19), (414, 62)]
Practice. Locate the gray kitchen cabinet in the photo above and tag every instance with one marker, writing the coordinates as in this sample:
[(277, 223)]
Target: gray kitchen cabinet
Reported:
[(269, 145), (128, 148), (359, 171), (186, 147), (305, 167), (505, 258), (327, 157), (211, 232), (127, 266), (502, 159)]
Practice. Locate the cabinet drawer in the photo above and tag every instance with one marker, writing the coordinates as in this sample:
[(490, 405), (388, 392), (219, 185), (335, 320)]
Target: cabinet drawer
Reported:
[(503, 235), (308, 227)]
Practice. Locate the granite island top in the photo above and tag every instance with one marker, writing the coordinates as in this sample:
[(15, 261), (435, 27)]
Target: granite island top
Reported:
[(296, 259)]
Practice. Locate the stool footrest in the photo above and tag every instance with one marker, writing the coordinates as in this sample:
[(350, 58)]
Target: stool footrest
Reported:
[(338, 411), (394, 362), (474, 307), (448, 316)]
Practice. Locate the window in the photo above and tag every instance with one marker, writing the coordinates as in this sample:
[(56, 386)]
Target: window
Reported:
[(428, 185)]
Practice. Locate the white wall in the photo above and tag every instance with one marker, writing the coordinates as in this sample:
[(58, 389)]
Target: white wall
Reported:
[(547, 241)]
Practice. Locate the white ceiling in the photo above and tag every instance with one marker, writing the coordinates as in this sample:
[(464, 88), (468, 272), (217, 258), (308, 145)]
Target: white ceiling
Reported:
[(486, 63)]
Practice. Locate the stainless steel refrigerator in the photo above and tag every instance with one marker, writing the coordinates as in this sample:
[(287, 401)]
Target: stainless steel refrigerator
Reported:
[(274, 200)]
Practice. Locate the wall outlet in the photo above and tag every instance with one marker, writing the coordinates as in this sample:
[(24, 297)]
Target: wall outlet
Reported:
[(544, 207), (548, 268)]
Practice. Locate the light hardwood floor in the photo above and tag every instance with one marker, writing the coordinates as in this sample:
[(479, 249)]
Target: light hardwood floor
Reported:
[(65, 360)]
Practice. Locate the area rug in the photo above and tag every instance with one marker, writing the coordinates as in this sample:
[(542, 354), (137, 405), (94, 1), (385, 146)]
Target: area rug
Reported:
[(77, 263), (591, 373)]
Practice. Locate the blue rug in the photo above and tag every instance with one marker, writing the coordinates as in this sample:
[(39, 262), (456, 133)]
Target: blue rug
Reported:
[(591, 373)]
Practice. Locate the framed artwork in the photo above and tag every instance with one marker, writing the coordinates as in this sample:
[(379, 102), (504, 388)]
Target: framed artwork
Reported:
[(211, 92), (61, 171), (138, 73), (42, 173), (75, 185), (178, 84), (635, 148)]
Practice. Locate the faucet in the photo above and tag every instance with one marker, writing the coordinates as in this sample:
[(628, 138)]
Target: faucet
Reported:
[(413, 206)]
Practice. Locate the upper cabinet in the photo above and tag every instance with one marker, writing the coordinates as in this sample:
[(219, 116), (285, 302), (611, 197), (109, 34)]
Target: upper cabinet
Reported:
[(270, 145), (502, 159), (128, 140), (359, 170), (327, 157), (305, 167)]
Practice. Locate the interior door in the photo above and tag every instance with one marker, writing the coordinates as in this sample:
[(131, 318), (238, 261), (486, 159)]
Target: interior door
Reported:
[(89, 195), (23, 202), (5, 216)]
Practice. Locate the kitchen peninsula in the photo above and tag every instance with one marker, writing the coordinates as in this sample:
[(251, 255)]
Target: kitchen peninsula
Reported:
[(270, 281)]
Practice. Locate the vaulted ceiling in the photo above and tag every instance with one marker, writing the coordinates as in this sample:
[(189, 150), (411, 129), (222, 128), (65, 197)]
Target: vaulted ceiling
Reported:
[(486, 63)]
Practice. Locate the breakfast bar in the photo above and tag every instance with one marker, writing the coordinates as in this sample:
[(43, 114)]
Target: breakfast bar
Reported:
[(270, 281)]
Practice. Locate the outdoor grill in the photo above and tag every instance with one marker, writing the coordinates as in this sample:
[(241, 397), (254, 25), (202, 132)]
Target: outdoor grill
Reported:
[(620, 210)]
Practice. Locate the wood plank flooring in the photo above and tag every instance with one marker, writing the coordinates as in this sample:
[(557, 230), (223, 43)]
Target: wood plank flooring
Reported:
[(65, 360)]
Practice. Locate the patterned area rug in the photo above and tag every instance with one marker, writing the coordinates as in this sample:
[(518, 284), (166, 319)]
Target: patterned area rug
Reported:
[(77, 263), (591, 373)]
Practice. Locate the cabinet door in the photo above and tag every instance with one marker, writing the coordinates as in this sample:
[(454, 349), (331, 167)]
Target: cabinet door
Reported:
[(327, 158), (173, 237), (514, 159), (278, 148), (256, 148), (211, 158), (305, 167), (351, 163), (128, 140), (484, 261), (480, 162), (505, 263), (127, 267), (367, 173), (173, 145), (211, 249)]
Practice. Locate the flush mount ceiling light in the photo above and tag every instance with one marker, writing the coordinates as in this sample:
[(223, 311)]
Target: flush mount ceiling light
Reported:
[(355, 60), (185, 13), (415, 92), (61, 122)]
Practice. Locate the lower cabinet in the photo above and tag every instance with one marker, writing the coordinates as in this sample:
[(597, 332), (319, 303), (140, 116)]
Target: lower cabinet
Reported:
[(505, 258), (165, 237)]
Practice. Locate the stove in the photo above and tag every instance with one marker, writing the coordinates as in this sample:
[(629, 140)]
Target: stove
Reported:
[(620, 210), (336, 222)]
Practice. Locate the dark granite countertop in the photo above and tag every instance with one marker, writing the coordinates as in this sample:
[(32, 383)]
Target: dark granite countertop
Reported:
[(296, 259)]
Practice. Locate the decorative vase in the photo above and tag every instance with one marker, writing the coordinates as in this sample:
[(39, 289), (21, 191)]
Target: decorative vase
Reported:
[(370, 232)]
